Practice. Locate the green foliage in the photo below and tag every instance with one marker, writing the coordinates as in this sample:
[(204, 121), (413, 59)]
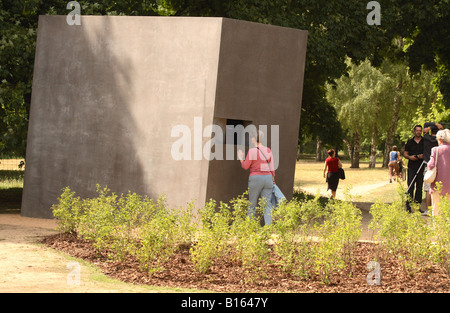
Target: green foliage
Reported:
[(126, 225), (355, 97), (339, 234), (364, 100), (162, 235), (411, 31), (249, 240), (68, 211), (402, 234), (213, 235), (441, 227), (17, 44), (294, 229), (312, 239), (151, 232), (227, 233), (308, 238), (415, 240)]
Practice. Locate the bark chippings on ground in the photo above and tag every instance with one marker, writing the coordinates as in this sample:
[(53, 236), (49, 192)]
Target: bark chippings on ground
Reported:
[(230, 277)]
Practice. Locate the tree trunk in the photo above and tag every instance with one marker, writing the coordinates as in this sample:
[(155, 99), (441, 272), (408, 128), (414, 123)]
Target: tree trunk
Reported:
[(356, 146), (349, 150), (392, 129), (319, 150), (373, 148), (374, 143)]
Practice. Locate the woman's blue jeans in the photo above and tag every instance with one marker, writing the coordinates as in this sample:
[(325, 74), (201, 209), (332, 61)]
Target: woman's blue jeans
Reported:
[(260, 186)]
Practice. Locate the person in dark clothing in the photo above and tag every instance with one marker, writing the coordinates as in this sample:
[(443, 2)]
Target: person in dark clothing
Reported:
[(332, 165), (429, 141), (414, 154)]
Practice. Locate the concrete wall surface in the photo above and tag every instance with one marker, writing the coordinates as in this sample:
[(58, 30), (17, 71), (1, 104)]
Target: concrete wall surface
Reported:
[(260, 80), (108, 94)]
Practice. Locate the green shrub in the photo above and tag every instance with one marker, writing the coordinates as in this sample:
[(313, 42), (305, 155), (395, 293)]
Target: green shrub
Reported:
[(249, 240), (312, 238), (163, 235), (402, 234), (308, 236), (68, 211), (213, 234), (294, 230), (97, 222), (441, 227), (339, 234)]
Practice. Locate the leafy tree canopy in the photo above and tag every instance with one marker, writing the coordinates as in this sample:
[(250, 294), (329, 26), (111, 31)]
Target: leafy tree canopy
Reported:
[(415, 31)]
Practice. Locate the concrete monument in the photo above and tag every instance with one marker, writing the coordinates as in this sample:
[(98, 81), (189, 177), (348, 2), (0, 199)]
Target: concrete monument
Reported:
[(110, 96)]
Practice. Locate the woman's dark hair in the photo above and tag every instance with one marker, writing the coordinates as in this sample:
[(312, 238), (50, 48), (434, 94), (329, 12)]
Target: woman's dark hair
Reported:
[(394, 148), (258, 135), (331, 152)]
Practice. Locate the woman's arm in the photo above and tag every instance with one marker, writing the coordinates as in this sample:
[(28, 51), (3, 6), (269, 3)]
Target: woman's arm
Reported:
[(245, 164), (432, 163), (272, 167), (325, 169)]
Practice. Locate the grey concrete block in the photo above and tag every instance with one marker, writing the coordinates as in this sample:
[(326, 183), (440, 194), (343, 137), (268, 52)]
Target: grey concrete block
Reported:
[(108, 93)]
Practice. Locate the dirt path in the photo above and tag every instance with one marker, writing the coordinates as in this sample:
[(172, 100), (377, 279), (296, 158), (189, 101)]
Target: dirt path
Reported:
[(26, 266), (356, 191)]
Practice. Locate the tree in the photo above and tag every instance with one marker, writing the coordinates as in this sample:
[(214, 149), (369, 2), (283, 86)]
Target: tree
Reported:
[(413, 96), (420, 31), (361, 104), (337, 29), (17, 45), (373, 104)]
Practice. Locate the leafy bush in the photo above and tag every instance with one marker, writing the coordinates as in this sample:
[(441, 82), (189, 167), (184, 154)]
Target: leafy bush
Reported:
[(213, 234), (250, 241), (311, 238), (97, 223), (227, 233), (441, 227), (308, 236), (294, 231), (339, 234), (403, 234), (162, 235), (68, 211), (125, 225)]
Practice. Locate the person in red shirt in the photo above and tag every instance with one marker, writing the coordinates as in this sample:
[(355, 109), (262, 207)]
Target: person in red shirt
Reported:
[(332, 164)]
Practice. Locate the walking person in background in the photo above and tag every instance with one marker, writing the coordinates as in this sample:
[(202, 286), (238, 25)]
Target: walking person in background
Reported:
[(261, 178), (394, 168), (331, 170), (429, 142), (443, 168), (414, 154)]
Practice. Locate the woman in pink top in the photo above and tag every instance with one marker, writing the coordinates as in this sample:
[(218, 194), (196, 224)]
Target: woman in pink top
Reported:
[(443, 168), (259, 161)]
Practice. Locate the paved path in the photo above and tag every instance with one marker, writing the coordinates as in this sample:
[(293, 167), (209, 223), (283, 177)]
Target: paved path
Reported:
[(26, 266), (356, 191)]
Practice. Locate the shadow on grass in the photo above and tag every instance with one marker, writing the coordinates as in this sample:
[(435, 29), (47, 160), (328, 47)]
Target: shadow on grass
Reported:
[(10, 200), (298, 195), (10, 192)]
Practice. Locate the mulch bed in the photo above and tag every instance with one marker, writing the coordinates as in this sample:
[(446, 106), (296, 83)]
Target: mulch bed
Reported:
[(230, 277)]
